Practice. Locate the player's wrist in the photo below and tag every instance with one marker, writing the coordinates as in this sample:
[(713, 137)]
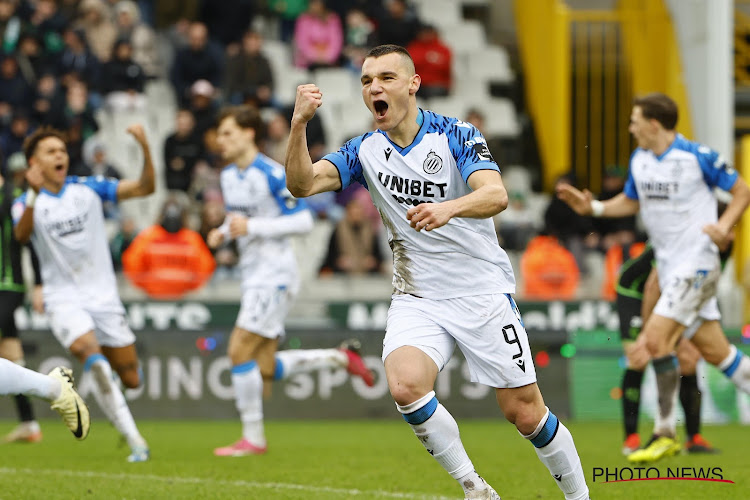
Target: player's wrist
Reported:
[(30, 197), (597, 208)]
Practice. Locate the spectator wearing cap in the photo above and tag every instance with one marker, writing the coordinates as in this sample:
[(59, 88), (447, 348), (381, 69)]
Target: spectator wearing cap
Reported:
[(432, 61), (123, 79), (200, 60), (318, 37), (203, 106), (141, 36), (96, 23), (249, 75)]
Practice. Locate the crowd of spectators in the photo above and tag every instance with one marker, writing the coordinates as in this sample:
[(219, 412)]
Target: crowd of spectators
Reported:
[(66, 63)]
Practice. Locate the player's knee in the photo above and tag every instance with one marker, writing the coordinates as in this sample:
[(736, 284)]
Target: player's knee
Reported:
[(83, 350), (405, 394), (130, 376), (526, 418)]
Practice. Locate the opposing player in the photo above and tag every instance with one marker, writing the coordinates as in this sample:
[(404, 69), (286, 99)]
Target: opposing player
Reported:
[(12, 293), (63, 218), (637, 292), (262, 215), (670, 182), (436, 186), (56, 387)]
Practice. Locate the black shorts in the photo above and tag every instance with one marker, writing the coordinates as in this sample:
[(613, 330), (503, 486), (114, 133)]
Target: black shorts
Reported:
[(630, 284), (9, 302)]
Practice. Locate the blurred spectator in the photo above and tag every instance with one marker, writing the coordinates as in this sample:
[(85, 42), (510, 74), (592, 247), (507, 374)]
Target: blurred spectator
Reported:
[(10, 25), (318, 37), (432, 61), (31, 60), (360, 38), (171, 13), (141, 36), (16, 169), (212, 216), (575, 232), (495, 144), (316, 135), (167, 260), (203, 106), (515, 224), (11, 140), (76, 117), (228, 20), (95, 160), (398, 24), (182, 150), (46, 22), (288, 12), (96, 23), (614, 231), (48, 97), (549, 270), (277, 137), (249, 75), (14, 90), (77, 61), (200, 60), (121, 241), (123, 80), (353, 248)]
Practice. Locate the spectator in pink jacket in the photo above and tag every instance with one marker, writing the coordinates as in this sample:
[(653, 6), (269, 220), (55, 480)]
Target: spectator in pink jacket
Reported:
[(318, 37)]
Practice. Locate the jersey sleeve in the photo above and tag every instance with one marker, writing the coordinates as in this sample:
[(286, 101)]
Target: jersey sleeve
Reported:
[(346, 161), (105, 187), (469, 148), (629, 189), (716, 171), (17, 209), (287, 203)]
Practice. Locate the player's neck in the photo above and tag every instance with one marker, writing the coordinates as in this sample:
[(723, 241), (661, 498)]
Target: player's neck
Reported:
[(52, 187), (404, 134), (247, 158), (663, 142)]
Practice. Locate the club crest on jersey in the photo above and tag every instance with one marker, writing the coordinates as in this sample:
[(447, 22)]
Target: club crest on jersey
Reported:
[(433, 163)]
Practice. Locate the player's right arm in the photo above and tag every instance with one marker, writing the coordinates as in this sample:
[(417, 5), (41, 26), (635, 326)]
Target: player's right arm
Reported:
[(303, 177), (23, 208), (583, 203)]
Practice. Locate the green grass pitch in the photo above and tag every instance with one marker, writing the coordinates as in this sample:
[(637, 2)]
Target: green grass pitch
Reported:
[(334, 460)]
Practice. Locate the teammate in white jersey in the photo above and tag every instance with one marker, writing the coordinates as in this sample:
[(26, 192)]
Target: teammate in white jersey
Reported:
[(437, 186), (63, 218), (670, 183), (262, 215)]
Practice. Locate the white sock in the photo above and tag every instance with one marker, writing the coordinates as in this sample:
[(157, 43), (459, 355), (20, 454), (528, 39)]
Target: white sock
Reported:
[(110, 399), (437, 430), (248, 391), (555, 448), (15, 379), (294, 361), (736, 367)]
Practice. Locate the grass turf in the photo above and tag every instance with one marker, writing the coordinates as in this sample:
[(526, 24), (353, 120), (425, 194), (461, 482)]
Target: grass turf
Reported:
[(334, 460)]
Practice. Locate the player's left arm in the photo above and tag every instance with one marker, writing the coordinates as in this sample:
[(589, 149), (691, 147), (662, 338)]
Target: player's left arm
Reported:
[(488, 197), (721, 232), (145, 185)]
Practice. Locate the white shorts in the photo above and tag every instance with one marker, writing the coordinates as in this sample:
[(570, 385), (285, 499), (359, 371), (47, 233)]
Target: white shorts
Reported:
[(487, 328), (685, 297), (263, 311), (71, 321)]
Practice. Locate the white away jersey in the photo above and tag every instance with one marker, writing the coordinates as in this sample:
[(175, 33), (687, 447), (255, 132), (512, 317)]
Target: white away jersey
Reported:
[(260, 191), (459, 259), (70, 239), (676, 200)]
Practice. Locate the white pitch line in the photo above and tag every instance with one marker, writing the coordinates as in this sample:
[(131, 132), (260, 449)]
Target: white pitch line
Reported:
[(220, 482)]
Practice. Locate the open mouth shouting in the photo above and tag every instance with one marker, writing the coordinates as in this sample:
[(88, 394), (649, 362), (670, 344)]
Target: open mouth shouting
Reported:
[(381, 109)]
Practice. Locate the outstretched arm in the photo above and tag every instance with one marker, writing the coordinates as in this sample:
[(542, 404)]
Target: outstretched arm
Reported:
[(145, 184), (583, 203), (303, 178), (488, 198)]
